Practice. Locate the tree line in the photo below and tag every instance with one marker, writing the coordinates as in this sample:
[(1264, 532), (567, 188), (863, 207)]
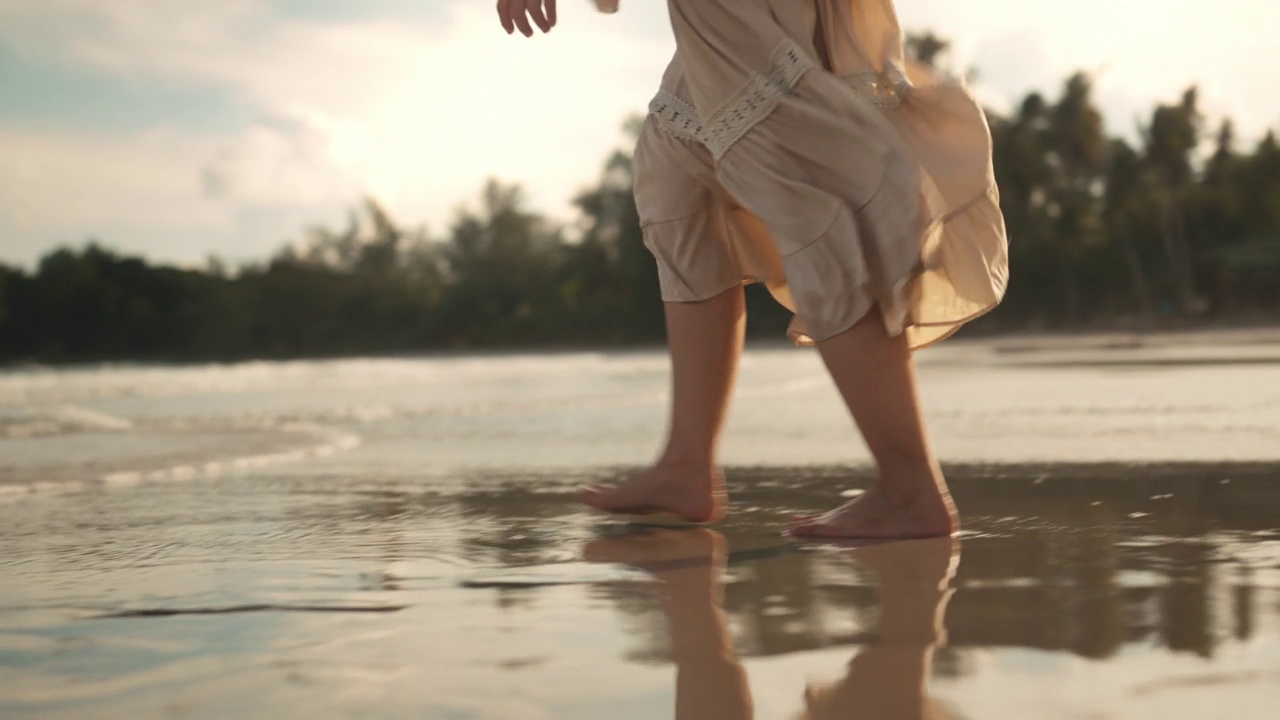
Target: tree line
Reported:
[(1181, 226)]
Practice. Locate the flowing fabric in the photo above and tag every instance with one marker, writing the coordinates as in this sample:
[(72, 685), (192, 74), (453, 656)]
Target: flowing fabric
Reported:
[(792, 143)]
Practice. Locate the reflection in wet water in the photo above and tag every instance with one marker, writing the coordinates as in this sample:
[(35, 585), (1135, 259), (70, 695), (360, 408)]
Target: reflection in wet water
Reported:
[(887, 679), (1105, 591)]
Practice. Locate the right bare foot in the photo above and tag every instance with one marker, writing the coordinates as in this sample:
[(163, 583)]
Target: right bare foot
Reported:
[(695, 494), (877, 515)]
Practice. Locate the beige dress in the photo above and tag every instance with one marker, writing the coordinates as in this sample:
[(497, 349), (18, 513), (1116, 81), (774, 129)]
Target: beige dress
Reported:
[(842, 177)]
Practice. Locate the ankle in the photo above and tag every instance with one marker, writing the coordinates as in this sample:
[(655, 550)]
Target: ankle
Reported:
[(686, 462), (906, 488)]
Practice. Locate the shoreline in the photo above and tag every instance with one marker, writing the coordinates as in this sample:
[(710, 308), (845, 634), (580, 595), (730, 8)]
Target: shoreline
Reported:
[(1230, 334), (1202, 397)]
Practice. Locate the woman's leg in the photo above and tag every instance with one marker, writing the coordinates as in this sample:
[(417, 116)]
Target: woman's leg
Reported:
[(705, 340), (876, 377)]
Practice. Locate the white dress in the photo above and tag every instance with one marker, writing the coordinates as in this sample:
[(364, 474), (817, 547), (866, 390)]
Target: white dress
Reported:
[(792, 144)]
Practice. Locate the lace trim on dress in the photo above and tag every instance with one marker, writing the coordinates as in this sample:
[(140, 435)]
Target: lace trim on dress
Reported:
[(740, 113), (760, 97), (676, 116)]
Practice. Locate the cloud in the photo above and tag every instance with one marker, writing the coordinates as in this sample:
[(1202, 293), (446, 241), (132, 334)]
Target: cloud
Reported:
[(75, 179), (295, 163), (419, 116), (311, 106), (1001, 83), (1142, 53), (453, 97), (65, 187), (139, 193)]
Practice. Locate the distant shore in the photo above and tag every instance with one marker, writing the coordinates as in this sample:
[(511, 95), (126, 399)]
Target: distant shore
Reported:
[(1091, 338)]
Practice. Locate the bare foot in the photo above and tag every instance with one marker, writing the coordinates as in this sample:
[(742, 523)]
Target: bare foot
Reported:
[(691, 493), (878, 515)]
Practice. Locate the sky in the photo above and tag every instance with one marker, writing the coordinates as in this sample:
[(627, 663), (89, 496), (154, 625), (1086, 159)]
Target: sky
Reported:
[(178, 129)]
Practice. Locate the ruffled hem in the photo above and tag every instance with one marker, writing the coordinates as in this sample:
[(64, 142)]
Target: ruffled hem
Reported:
[(692, 265), (835, 280), (961, 279)]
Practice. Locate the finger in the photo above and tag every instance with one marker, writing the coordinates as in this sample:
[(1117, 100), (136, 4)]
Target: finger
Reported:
[(551, 12), (504, 16), (518, 14), (539, 19)]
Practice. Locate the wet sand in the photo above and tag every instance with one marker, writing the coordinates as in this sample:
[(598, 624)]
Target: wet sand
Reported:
[(1103, 591), (400, 540)]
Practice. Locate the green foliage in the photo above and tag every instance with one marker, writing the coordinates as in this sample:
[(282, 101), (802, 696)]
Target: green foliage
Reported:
[(1101, 231), (1104, 232)]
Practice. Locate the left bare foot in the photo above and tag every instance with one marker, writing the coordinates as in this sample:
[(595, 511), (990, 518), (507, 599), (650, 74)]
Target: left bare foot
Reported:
[(879, 516)]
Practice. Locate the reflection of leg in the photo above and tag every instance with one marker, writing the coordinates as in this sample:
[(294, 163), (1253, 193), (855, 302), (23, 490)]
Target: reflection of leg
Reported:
[(705, 340), (876, 378), (914, 582), (710, 681), (888, 680)]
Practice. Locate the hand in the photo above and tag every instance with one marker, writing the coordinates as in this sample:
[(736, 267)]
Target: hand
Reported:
[(516, 13)]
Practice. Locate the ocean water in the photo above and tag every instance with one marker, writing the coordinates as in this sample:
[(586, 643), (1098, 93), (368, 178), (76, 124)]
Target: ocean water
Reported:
[(398, 538)]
